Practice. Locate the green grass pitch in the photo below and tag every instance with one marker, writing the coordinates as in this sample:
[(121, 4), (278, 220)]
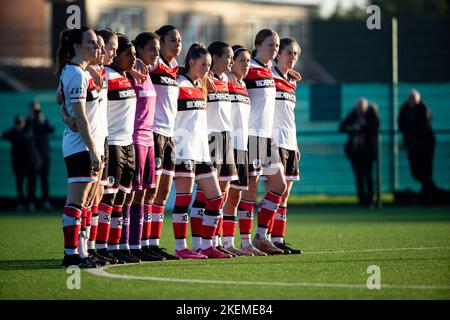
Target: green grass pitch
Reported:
[(411, 247)]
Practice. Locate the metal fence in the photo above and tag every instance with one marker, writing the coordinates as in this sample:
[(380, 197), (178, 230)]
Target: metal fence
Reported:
[(324, 169)]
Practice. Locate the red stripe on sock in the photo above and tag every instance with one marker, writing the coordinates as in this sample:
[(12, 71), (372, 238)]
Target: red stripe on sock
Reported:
[(275, 198), (83, 218), (279, 228), (183, 200), (245, 226), (88, 217), (72, 212), (180, 230), (245, 205), (196, 226), (279, 225), (157, 209), (105, 208), (264, 217), (208, 231), (93, 233), (219, 229), (114, 235), (156, 227), (229, 228), (200, 197), (214, 204), (71, 236)]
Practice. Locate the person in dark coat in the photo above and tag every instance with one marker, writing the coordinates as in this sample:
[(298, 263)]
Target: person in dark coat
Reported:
[(362, 125), (26, 161), (414, 123), (41, 129)]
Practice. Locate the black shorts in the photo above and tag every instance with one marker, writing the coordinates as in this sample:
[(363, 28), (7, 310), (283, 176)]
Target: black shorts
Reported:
[(290, 160), (164, 154), (104, 178), (121, 168), (241, 159), (78, 167), (192, 169), (263, 156), (222, 156)]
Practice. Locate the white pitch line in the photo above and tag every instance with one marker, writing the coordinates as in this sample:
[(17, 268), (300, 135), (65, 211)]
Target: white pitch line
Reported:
[(378, 250), (102, 273)]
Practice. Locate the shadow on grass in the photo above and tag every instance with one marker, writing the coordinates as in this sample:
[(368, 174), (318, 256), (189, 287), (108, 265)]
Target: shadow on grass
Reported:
[(30, 264)]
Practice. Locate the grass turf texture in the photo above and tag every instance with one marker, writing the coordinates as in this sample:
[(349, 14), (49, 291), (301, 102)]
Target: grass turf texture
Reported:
[(31, 254)]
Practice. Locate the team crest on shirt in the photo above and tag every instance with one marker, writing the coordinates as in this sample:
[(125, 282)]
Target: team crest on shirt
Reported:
[(158, 163), (257, 163)]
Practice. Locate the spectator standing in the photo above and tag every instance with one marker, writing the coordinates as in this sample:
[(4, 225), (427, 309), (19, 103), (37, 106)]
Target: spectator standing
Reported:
[(26, 162), (40, 129), (362, 125)]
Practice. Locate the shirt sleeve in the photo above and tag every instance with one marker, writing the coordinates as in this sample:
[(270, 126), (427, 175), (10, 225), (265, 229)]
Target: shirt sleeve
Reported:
[(77, 88)]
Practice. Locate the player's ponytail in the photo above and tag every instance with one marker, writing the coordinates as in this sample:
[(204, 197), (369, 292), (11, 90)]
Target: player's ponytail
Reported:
[(66, 51), (63, 54), (196, 50)]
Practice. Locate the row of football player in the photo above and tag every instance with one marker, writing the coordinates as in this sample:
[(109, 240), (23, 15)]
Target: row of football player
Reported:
[(136, 121)]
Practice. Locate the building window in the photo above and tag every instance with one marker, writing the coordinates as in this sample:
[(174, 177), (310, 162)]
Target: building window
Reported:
[(129, 21), (197, 27)]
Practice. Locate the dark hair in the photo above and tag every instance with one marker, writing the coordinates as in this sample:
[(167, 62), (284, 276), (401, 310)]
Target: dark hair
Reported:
[(285, 42), (237, 48), (66, 51), (261, 36), (107, 34), (143, 38), (19, 118), (164, 31), (196, 50), (217, 48), (123, 43)]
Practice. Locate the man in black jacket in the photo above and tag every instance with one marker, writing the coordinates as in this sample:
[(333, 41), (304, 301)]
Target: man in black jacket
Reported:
[(26, 161), (41, 128), (414, 123), (362, 125)]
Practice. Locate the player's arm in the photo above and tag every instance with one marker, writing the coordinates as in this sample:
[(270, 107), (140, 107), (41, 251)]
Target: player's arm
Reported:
[(98, 79), (79, 114), (140, 71), (68, 120), (295, 75)]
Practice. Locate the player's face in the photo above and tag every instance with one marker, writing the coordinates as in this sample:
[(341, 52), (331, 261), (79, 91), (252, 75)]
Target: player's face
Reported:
[(89, 45), (241, 64), (171, 45), (288, 56), (111, 48), (127, 58), (200, 67), (269, 48), (101, 52), (150, 52), (225, 62)]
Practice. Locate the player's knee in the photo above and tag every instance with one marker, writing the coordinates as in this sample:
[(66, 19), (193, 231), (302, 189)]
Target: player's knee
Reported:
[(150, 194)]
